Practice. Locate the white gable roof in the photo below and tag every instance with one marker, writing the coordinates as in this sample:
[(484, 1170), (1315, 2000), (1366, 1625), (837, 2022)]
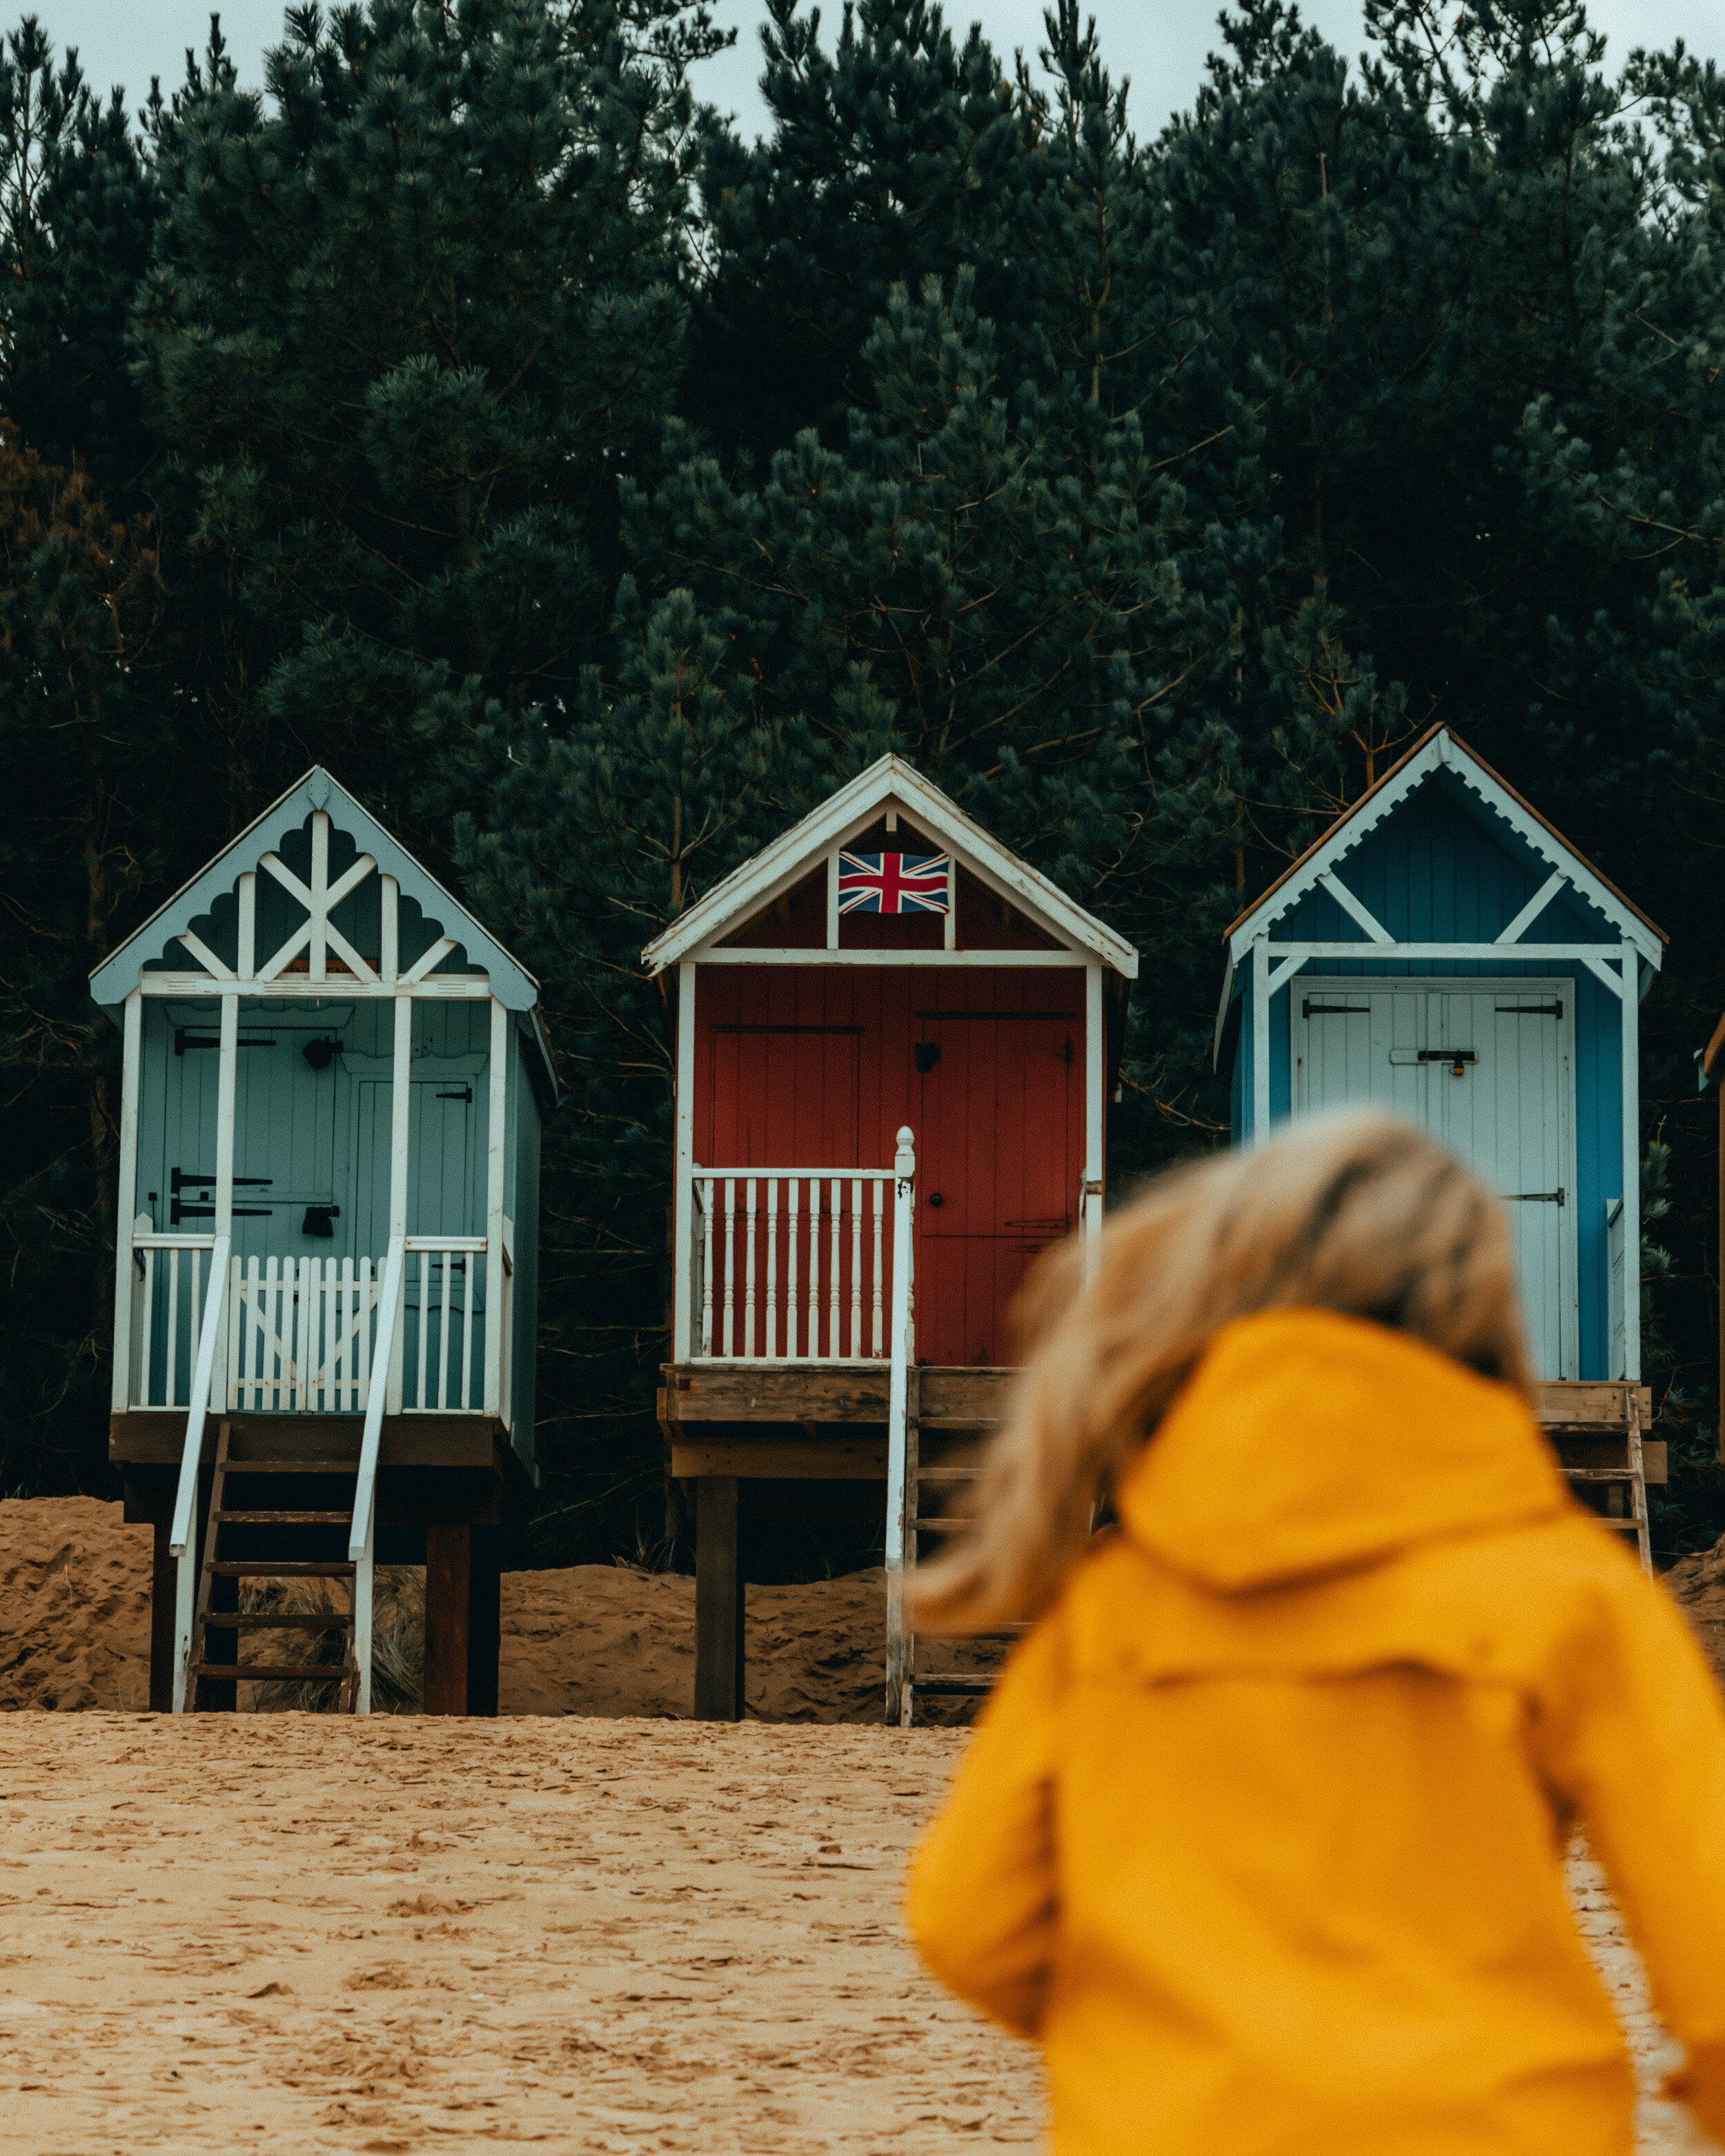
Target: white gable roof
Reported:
[(889, 783), (117, 976), (1441, 750)]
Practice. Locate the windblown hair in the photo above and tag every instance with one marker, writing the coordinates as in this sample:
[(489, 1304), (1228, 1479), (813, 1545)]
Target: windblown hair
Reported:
[(1356, 1212)]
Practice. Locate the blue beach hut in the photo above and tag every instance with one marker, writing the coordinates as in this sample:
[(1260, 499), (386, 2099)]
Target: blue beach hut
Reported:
[(325, 1316), (1442, 951)]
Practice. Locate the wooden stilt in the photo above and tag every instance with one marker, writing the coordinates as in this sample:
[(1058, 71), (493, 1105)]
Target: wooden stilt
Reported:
[(164, 1582), (718, 1602), (484, 1619), (448, 1588)]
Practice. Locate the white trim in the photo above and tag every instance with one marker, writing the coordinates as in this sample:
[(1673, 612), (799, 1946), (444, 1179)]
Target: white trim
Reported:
[(126, 1197), (400, 1112), (738, 954), (217, 968), (1260, 1041), (1444, 752), (496, 1140), (1630, 1023), (319, 966), (445, 988), (1090, 1212), (1556, 881), (904, 1200), (118, 974), (1487, 953), (227, 1087), (833, 899), (429, 959), (683, 1222), (1355, 908), (1599, 968), (890, 782), (389, 931)]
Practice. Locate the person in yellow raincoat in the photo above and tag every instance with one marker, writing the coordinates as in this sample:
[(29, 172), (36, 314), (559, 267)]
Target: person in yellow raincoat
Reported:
[(1261, 1836)]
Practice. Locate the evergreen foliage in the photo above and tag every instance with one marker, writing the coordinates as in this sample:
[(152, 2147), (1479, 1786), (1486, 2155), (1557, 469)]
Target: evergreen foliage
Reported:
[(471, 409)]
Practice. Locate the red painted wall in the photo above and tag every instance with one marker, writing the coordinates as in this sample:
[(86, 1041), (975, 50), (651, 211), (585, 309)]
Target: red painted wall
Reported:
[(816, 1066)]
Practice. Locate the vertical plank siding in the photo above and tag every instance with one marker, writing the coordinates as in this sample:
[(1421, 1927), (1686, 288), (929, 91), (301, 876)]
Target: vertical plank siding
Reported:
[(817, 1068), (1440, 870)]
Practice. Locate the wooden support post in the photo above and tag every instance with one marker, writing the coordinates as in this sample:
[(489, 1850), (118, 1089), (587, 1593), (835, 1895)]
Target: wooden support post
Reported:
[(163, 1581), (449, 1596), (485, 1616), (719, 1671)]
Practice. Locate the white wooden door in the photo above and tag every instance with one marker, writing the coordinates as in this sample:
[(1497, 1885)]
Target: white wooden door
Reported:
[(1488, 1067)]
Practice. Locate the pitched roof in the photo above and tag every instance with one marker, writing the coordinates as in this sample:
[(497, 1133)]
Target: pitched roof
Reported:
[(890, 782), (117, 976), (1441, 748)]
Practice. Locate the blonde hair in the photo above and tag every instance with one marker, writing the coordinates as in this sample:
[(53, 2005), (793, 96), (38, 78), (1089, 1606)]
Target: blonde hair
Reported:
[(1357, 1212)]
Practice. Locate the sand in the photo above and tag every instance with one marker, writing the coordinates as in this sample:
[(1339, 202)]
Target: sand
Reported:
[(309, 1933), (588, 1923), (591, 1639)]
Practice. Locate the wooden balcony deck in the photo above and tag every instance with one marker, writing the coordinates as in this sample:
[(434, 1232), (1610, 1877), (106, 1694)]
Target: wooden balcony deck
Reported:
[(806, 1422)]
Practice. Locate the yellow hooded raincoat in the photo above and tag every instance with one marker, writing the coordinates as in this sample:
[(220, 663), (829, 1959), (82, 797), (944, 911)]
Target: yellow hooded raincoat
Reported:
[(1261, 1836)]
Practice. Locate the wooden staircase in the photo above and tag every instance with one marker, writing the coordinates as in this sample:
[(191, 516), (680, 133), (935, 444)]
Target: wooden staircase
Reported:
[(1608, 1412), (242, 1541), (954, 1468)]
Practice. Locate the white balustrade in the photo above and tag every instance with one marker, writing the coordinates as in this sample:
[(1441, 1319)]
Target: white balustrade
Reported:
[(167, 1316), (790, 1265)]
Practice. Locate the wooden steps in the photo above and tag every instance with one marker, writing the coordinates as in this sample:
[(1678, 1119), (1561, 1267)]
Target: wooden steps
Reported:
[(250, 1517)]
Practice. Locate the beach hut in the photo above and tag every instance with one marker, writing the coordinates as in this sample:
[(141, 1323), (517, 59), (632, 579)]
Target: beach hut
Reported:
[(1442, 951), (324, 1314), (894, 1048)]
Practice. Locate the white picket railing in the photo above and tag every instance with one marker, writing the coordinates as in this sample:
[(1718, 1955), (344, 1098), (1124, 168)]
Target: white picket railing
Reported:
[(789, 1260), (160, 1276), (300, 1332), (433, 1263)]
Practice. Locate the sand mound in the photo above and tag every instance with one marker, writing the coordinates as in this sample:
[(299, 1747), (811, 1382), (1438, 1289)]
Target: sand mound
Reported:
[(75, 1605), (592, 1639), (1697, 1585)]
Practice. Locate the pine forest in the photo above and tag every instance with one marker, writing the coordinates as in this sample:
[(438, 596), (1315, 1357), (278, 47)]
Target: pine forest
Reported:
[(471, 409)]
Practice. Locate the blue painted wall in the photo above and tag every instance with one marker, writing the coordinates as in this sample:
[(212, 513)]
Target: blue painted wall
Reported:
[(1441, 869)]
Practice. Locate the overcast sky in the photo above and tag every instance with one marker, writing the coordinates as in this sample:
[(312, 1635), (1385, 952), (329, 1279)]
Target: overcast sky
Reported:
[(1160, 45)]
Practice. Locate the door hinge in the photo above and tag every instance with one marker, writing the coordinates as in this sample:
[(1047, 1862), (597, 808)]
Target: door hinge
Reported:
[(1533, 1198), (1310, 1009), (1529, 1010)]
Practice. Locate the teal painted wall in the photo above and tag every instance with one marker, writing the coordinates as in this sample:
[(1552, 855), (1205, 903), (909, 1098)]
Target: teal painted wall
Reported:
[(1441, 869)]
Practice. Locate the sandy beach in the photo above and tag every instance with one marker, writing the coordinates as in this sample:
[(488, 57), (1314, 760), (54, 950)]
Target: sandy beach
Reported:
[(306, 1933)]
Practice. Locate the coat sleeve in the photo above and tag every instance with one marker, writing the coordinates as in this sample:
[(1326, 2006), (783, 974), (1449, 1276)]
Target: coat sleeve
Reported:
[(982, 1901), (1635, 1738)]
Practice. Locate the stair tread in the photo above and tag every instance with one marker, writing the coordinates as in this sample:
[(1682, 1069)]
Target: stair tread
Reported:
[(257, 1672), (291, 1466), (280, 1621), (249, 1518), (281, 1568), (1623, 1527), (955, 1684)]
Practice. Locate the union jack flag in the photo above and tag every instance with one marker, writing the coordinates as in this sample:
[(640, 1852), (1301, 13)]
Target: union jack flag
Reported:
[(895, 883)]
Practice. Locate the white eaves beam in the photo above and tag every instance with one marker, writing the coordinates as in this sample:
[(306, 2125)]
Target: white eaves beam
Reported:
[(1355, 910), (1535, 907)]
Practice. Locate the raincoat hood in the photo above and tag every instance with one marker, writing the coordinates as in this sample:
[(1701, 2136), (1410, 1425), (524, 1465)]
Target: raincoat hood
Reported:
[(1307, 1443)]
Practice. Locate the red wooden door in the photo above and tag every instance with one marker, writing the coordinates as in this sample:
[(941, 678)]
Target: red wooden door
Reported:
[(999, 1151)]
